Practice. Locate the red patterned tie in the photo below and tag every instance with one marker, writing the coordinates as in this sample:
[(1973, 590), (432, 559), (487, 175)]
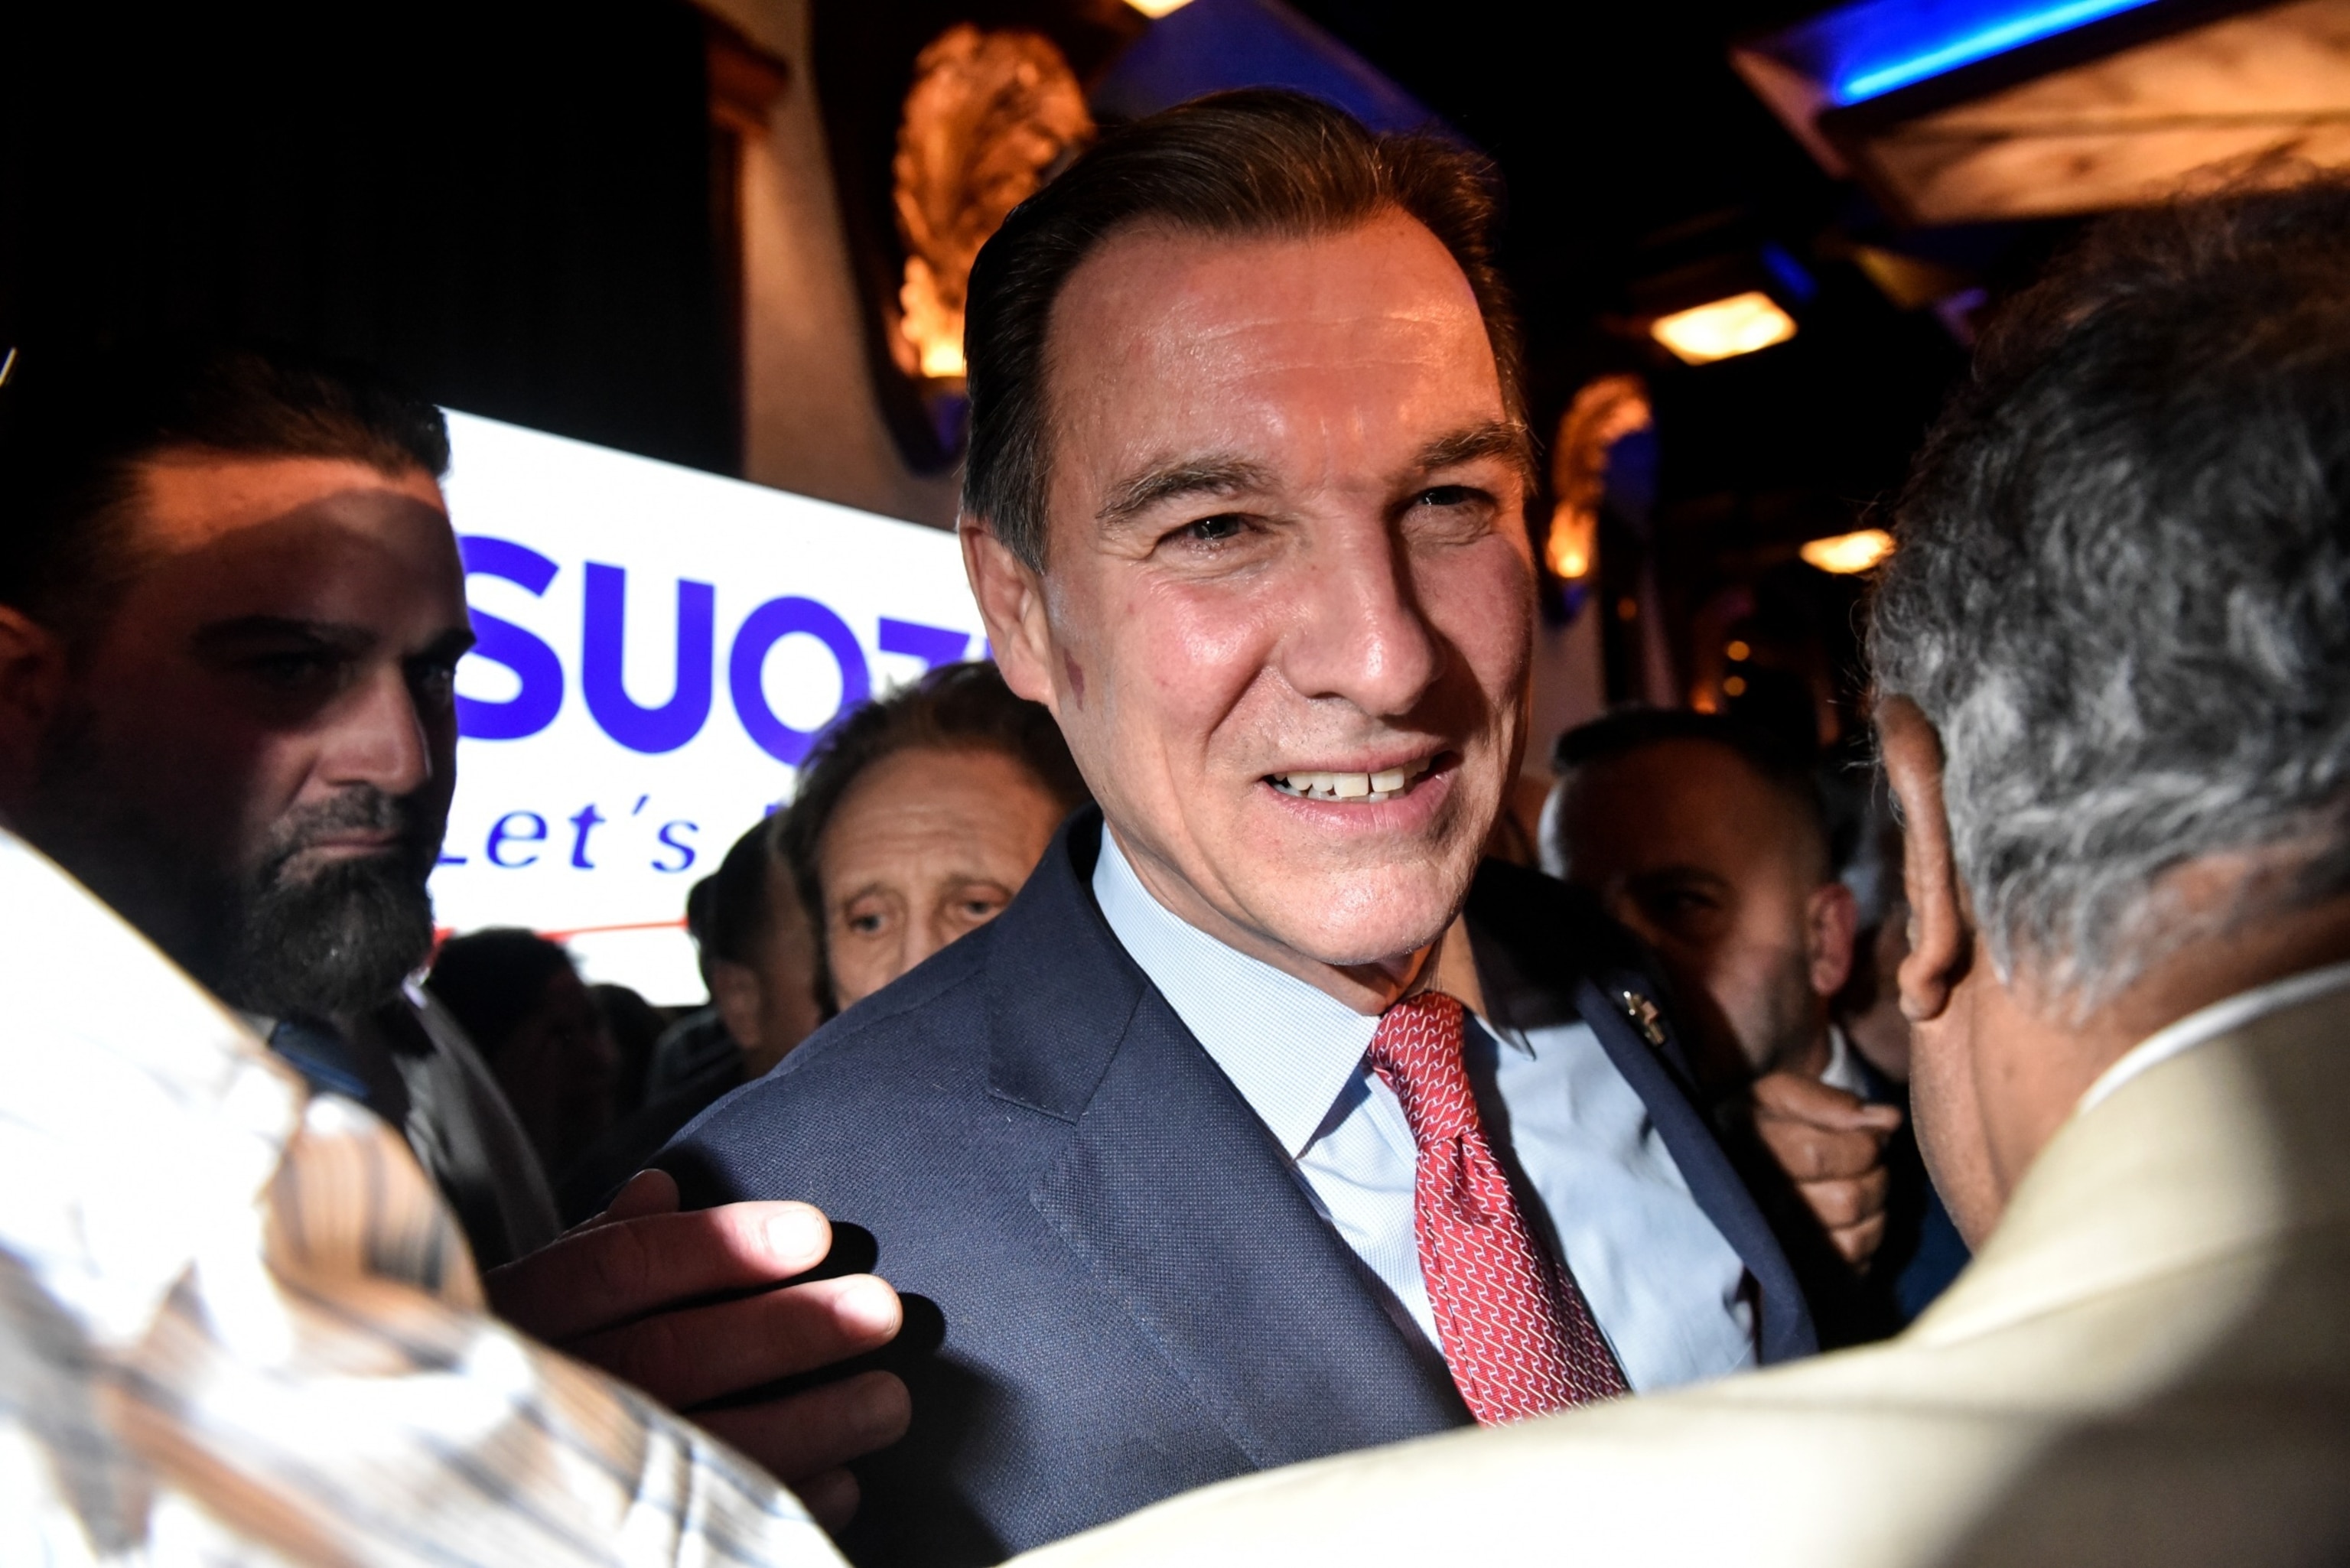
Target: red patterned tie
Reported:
[(1517, 1334)]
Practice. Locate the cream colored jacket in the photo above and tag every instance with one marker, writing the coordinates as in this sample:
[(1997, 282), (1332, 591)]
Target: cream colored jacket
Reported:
[(2149, 1364)]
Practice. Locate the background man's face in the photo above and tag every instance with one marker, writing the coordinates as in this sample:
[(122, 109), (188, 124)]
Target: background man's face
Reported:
[(1286, 539), (1687, 845), (253, 757), (929, 844)]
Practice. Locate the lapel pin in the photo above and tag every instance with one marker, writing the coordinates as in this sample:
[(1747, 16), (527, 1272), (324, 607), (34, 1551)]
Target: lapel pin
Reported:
[(1644, 1016)]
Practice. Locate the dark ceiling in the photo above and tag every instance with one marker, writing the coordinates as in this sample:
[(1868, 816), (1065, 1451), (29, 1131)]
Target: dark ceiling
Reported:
[(1629, 148)]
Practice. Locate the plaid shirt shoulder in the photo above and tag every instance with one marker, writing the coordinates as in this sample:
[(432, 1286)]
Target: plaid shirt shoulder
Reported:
[(237, 1325)]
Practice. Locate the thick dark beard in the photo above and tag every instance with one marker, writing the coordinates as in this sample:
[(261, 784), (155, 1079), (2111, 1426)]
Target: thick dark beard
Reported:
[(263, 939), (341, 940)]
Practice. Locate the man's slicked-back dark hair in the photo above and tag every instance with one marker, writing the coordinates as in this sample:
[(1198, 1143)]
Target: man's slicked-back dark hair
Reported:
[(75, 428), (1254, 162)]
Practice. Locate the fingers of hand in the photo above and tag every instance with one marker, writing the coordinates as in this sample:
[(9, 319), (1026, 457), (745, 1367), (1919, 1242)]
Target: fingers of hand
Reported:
[(1808, 1152), (1847, 1202), (1792, 1095), (595, 1278), (682, 1358), (1858, 1243), (831, 1497), (808, 1435)]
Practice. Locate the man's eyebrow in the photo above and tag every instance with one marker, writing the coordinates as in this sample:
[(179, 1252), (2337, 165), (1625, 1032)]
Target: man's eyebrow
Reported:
[(452, 644), (1205, 476), (230, 636), (1493, 438), (225, 636)]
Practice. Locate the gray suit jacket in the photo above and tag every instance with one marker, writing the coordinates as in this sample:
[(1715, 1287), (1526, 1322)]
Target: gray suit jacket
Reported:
[(2149, 1364)]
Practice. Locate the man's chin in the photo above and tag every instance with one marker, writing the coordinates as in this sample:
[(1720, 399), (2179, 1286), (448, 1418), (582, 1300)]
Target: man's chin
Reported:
[(337, 938), (1372, 915)]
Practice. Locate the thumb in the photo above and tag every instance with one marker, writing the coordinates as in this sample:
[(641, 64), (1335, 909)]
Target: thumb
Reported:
[(647, 1192)]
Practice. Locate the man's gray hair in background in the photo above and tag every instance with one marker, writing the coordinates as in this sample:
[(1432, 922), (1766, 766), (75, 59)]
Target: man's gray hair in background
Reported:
[(2122, 591)]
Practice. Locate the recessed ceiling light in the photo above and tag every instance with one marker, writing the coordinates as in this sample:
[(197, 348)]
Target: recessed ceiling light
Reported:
[(1724, 328), (1849, 552)]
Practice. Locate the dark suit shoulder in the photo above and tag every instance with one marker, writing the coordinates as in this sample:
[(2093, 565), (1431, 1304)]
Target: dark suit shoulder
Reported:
[(866, 1090)]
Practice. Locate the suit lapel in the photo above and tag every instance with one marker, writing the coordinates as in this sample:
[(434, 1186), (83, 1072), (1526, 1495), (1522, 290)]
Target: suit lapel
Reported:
[(1172, 1195)]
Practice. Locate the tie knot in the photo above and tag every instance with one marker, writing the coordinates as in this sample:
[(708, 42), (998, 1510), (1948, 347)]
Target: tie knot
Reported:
[(1417, 1049)]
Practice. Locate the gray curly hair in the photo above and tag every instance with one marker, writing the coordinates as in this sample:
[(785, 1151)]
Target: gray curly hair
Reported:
[(2122, 588)]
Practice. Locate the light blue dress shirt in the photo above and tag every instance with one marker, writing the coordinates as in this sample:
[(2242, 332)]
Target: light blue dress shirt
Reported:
[(1667, 1291)]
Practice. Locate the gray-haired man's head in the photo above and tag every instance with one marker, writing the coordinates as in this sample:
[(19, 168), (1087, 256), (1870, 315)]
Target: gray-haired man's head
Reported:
[(2122, 595), (2110, 653)]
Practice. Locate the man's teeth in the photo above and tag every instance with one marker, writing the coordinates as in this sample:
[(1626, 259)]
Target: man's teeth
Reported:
[(1384, 784)]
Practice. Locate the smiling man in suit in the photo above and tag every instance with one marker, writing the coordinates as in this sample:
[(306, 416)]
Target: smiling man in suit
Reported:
[(2110, 656), (1266, 1124)]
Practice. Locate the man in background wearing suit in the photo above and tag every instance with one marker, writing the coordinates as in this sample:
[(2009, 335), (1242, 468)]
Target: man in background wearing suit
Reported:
[(1234, 1140), (2112, 667), (1708, 838)]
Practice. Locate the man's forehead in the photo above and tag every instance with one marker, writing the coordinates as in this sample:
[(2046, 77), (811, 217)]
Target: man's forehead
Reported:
[(298, 539), (188, 500), (1154, 291), (1686, 795), (1176, 351)]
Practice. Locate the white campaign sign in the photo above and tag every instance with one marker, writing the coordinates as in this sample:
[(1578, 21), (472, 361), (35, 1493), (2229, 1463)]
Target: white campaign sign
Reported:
[(658, 648)]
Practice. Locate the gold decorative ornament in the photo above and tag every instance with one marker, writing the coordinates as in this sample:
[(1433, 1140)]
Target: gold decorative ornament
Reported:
[(1603, 413), (991, 115)]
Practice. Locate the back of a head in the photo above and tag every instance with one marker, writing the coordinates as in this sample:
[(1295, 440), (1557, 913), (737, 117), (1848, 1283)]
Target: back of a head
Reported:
[(493, 979), (75, 427), (1254, 162), (1627, 730), (738, 914), (2122, 590)]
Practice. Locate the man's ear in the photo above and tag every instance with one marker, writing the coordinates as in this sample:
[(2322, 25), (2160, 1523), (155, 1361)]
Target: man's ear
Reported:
[(1831, 920), (1010, 597), (33, 672), (1941, 937)]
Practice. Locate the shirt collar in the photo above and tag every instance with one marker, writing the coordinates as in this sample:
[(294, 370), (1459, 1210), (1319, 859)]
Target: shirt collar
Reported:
[(1290, 1049), (2210, 1022), (1843, 1069)]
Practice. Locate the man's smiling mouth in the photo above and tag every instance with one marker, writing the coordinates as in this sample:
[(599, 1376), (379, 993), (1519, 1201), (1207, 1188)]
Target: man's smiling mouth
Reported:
[(1369, 788)]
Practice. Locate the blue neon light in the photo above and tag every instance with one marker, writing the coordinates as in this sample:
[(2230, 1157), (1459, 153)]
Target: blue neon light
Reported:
[(1867, 50)]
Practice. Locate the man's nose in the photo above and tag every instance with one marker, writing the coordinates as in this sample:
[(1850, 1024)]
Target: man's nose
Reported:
[(1359, 634), (379, 738)]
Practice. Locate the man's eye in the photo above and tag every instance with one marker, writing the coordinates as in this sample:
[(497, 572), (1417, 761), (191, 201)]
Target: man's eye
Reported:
[(1448, 495), (294, 670), (435, 684), (1677, 906), (1213, 530)]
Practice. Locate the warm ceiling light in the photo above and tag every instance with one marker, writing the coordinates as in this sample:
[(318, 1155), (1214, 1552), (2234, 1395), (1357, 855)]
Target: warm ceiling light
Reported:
[(1734, 686), (1725, 328), (1154, 9), (1849, 552), (1739, 652)]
